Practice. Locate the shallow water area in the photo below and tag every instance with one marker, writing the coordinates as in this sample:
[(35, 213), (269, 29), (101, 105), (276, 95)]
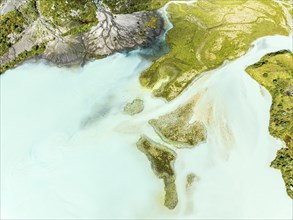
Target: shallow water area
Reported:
[(68, 150), (59, 146)]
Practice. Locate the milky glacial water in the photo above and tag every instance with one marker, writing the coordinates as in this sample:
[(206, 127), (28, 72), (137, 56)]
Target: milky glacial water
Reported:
[(68, 150)]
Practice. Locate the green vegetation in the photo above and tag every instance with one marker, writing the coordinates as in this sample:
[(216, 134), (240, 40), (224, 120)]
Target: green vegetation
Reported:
[(275, 72), (70, 17), (80, 29), (29, 11), (35, 51), (76, 16), (284, 162), (207, 33), (162, 160), (175, 127), (14, 23), (95, 56), (152, 23), (130, 6)]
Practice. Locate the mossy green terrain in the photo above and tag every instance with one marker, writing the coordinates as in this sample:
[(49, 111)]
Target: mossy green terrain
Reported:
[(130, 6), (284, 162), (14, 23), (275, 72), (207, 33), (76, 15), (162, 159)]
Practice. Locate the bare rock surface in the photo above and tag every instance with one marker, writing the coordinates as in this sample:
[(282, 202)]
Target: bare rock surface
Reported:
[(9, 5), (112, 33)]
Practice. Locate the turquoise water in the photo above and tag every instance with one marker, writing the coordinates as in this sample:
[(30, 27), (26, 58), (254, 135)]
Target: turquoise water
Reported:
[(68, 150)]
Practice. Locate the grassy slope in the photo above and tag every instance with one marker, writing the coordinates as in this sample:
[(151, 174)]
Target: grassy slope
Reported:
[(207, 33)]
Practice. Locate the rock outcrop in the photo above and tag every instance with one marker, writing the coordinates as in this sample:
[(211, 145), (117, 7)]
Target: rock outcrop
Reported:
[(68, 35)]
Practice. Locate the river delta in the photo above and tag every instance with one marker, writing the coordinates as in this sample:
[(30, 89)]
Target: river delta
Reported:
[(146, 109)]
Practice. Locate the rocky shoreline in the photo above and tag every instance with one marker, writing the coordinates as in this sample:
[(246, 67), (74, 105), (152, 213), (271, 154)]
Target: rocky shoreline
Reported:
[(65, 45)]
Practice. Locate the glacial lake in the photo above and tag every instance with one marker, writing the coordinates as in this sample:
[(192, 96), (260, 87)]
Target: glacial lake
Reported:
[(69, 151)]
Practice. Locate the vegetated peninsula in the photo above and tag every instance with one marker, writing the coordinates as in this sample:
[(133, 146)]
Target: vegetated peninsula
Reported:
[(70, 32), (275, 72), (208, 32)]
